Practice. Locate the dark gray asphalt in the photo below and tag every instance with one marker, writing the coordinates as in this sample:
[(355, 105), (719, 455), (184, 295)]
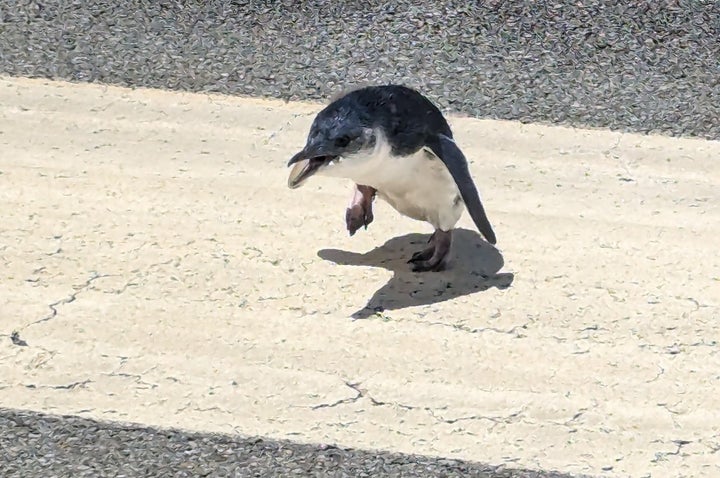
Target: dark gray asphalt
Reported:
[(38, 445), (646, 66)]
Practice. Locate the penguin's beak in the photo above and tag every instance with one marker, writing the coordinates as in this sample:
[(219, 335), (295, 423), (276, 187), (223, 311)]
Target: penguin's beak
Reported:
[(306, 163)]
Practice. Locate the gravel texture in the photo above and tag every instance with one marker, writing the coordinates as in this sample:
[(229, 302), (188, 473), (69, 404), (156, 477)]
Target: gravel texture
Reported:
[(38, 445), (645, 66)]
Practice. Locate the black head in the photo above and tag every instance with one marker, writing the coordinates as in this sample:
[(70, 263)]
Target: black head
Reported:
[(351, 123), (339, 130)]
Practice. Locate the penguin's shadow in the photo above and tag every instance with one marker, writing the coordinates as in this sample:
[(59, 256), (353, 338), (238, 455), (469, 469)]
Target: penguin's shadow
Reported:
[(474, 267)]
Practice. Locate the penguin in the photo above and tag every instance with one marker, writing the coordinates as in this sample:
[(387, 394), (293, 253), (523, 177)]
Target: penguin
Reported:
[(394, 143)]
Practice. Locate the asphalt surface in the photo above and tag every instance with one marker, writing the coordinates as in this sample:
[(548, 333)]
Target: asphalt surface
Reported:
[(35, 444), (647, 66)]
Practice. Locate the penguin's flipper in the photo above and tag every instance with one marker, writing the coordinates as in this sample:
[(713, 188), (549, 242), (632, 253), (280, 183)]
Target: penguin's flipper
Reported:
[(445, 148)]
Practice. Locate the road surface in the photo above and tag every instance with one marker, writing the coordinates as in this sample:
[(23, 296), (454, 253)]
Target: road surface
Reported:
[(157, 270)]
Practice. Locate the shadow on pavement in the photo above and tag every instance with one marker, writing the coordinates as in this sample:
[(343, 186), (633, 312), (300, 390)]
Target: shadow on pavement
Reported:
[(474, 267)]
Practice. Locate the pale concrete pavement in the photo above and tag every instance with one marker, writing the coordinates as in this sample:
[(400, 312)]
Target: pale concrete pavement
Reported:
[(161, 272)]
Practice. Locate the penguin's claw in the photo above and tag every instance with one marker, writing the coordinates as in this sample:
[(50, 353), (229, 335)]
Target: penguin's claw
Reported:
[(434, 258), (428, 266), (423, 255)]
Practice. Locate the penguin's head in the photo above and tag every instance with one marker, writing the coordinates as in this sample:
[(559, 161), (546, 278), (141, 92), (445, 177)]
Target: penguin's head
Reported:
[(337, 134)]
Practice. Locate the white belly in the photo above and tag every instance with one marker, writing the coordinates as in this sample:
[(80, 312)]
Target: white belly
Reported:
[(418, 186)]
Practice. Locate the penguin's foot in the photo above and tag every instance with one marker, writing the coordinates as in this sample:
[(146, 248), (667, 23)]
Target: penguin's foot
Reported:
[(434, 257), (360, 213), (426, 253)]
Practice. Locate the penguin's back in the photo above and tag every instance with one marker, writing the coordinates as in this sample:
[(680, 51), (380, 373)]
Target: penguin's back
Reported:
[(405, 116)]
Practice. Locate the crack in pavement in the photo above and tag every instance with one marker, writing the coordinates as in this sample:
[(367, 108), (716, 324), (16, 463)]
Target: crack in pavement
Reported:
[(459, 327), (662, 455), (83, 287), (673, 413), (511, 418), (58, 250), (66, 300), (571, 422), (69, 386), (657, 377), (138, 274), (359, 394), (122, 289), (202, 410), (480, 330), (363, 393), (137, 378)]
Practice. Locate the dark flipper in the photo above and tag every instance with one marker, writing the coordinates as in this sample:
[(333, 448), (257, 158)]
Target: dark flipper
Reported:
[(448, 152)]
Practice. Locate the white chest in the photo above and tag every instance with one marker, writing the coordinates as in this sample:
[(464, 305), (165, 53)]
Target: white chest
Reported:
[(418, 186)]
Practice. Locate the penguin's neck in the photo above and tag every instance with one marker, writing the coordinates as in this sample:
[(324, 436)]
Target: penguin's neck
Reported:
[(369, 166)]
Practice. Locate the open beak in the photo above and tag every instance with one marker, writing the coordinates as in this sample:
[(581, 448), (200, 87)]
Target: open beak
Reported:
[(305, 165)]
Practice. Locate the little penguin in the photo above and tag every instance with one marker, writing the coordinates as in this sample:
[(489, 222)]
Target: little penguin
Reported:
[(393, 142)]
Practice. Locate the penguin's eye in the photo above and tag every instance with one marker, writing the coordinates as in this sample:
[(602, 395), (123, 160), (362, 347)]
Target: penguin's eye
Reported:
[(342, 141)]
